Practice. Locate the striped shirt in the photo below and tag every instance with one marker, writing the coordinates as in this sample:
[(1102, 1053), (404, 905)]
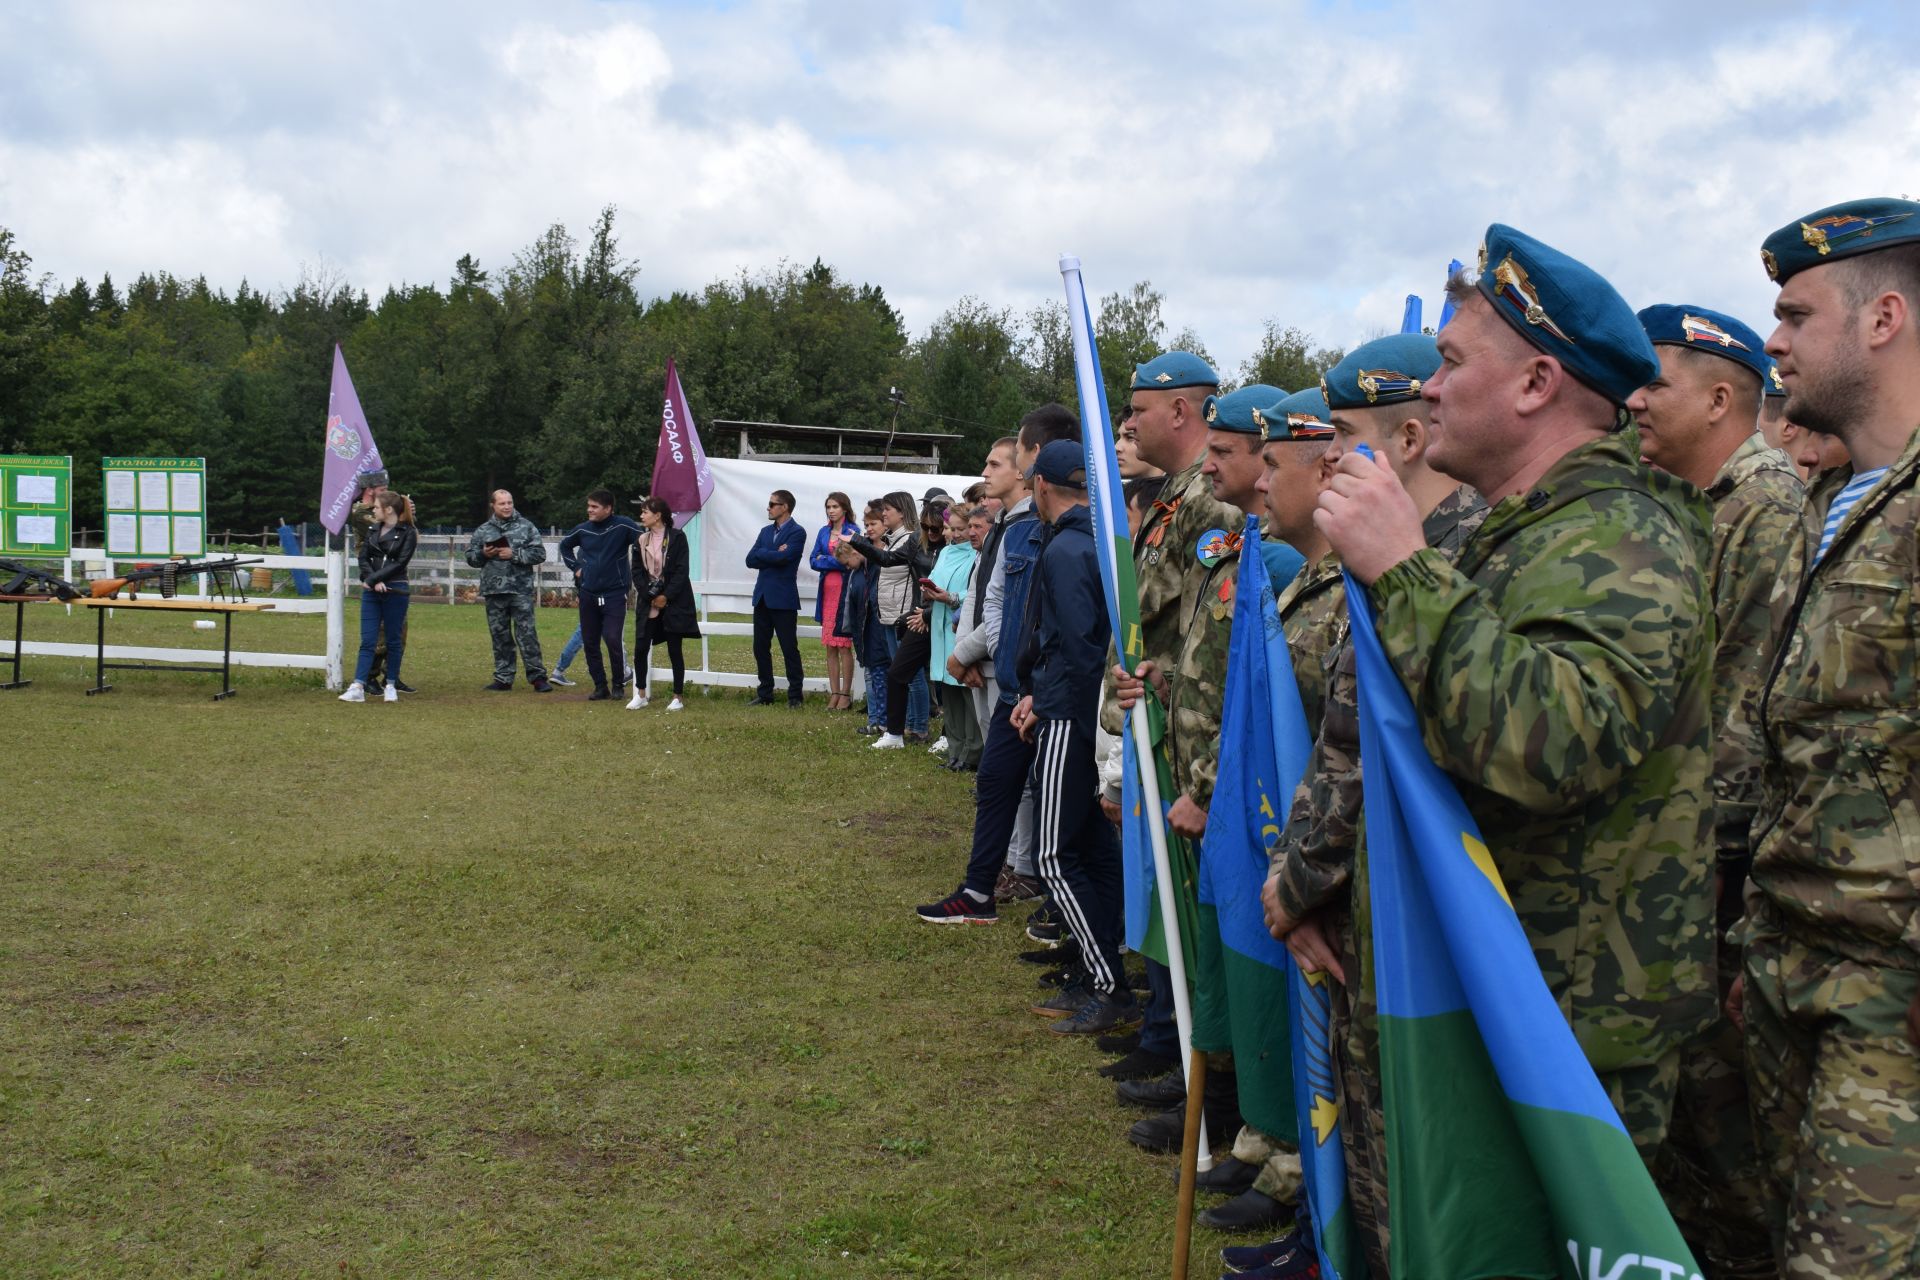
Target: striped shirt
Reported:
[(1845, 503)]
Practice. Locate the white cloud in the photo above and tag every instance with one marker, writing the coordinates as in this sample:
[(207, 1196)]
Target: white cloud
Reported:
[(1307, 163)]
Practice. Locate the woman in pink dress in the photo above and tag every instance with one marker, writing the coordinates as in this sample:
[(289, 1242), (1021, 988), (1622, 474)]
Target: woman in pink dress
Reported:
[(826, 605)]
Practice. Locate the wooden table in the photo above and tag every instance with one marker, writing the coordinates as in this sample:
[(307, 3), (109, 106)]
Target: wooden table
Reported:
[(20, 604), (218, 608)]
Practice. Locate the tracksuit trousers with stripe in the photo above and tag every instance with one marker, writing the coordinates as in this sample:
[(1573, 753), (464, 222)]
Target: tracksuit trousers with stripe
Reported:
[(1075, 848)]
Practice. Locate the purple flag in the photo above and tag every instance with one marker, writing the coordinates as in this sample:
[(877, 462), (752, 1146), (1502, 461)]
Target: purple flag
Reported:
[(680, 471), (350, 448)]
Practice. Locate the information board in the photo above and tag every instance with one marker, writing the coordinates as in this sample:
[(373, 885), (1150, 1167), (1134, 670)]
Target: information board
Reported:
[(155, 506), (36, 505)]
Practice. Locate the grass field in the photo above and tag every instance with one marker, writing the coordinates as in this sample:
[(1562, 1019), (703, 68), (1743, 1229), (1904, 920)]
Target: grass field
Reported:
[(510, 985)]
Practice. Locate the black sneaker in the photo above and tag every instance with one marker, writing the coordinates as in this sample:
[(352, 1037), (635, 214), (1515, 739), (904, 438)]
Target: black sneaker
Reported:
[(1139, 1064), (375, 687), (1100, 1013), (1065, 976), (404, 687), (1064, 1002), (1121, 1044), (541, 686), (1042, 955), (795, 700), (599, 694), (1249, 1211), (1014, 887), (1156, 1093), (1044, 926), (760, 700), (959, 907), (496, 687), (1241, 1259)]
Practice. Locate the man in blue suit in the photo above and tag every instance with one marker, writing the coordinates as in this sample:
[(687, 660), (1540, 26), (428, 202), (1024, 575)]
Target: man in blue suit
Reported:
[(776, 597)]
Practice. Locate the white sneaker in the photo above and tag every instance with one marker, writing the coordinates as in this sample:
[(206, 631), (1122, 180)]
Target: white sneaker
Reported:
[(356, 692), (676, 704), (937, 747), (889, 742), (391, 695), (637, 701)]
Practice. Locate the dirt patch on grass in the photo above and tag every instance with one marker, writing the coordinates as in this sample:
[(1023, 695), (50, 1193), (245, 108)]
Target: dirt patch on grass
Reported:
[(572, 1154)]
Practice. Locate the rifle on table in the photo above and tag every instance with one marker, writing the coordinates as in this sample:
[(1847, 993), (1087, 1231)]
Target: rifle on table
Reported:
[(18, 579), (168, 573)]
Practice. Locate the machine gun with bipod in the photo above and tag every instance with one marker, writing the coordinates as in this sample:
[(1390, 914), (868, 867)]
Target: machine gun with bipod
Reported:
[(167, 575)]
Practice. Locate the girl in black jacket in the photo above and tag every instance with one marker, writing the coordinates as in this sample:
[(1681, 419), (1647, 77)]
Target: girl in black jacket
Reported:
[(666, 611), (902, 555), (385, 553)]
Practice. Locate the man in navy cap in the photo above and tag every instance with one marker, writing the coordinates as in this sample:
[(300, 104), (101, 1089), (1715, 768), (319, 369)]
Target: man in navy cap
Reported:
[(1059, 673), (1831, 994), (1696, 420), (1560, 667)]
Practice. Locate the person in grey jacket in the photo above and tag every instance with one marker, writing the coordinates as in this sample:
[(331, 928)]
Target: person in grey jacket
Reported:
[(505, 548)]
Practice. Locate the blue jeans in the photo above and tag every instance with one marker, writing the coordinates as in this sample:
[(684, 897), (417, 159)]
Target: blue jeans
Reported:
[(377, 608), (876, 697), (919, 698), (570, 650)]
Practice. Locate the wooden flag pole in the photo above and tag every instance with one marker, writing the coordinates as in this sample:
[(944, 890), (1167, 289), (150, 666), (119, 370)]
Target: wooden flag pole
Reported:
[(1189, 1160)]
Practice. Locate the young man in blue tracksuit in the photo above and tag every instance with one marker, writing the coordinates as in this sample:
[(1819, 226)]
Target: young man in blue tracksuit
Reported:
[(1059, 672), (1005, 760), (600, 553)]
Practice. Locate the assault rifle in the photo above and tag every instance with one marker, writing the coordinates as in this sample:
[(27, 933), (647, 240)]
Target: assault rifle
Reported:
[(18, 579), (168, 573)]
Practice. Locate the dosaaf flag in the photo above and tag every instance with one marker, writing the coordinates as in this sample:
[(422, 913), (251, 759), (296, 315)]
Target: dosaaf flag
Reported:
[(681, 475), (350, 449)]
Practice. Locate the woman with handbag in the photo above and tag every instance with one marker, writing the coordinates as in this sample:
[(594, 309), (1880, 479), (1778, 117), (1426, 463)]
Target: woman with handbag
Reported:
[(666, 613)]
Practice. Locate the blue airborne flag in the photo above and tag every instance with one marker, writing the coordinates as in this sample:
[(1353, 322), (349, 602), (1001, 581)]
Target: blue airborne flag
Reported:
[(1281, 1020), (1504, 1155)]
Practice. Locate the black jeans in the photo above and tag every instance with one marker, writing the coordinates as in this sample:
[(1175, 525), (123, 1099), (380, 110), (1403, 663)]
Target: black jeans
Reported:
[(643, 642), (768, 623), (909, 660), (1005, 762), (604, 617)]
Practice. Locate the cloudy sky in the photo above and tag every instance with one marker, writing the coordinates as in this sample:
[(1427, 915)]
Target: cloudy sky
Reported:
[(1305, 162)]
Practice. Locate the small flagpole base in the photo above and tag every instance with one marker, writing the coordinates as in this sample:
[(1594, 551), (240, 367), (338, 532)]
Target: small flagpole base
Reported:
[(1189, 1162)]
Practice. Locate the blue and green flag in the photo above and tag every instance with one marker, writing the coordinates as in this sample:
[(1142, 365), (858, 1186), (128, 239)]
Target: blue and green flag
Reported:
[(1504, 1155)]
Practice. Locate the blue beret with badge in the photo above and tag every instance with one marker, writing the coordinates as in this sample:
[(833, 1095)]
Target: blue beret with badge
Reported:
[(1300, 416), (1172, 371), (1239, 411), (1713, 332), (1839, 231), (1388, 370), (1568, 310), (1771, 384)]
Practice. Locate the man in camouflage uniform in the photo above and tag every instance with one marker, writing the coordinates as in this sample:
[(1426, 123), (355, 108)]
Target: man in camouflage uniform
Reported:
[(1373, 398), (1696, 421), (1168, 397), (505, 548), (1831, 994), (1561, 666)]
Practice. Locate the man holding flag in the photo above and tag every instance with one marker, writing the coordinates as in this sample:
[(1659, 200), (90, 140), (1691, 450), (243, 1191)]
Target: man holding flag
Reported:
[(1560, 675), (1373, 399)]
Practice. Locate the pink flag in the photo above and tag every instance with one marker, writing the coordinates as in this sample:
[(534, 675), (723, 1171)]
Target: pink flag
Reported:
[(350, 449), (680, 471)]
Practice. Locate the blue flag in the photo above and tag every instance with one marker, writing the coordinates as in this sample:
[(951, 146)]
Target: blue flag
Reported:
[(1410, 316), (1447, 308)]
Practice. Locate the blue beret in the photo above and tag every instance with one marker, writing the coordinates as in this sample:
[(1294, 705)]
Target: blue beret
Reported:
[(1568, 310), (1300, 416), (1239, 411), (1714, 332), (1388, 370), (1174, 370), (1771, 384), (1061, 462), (1839, 231)]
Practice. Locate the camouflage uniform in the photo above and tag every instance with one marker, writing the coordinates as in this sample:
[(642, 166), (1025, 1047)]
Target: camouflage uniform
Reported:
[(1833, 935), (1710, 1170), (1561, 671), (508, 588), (1313, 863)]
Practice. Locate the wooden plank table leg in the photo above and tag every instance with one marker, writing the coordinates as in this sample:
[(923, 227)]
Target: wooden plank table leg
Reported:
[(19, 623), (100, 684)]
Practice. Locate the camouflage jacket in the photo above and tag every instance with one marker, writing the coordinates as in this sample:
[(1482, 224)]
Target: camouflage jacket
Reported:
[(1168, 573), (1197, 691), (1838, 852), (507, 577), (1562, 674), (1313, 611), (1756, 518), (1314, 857)]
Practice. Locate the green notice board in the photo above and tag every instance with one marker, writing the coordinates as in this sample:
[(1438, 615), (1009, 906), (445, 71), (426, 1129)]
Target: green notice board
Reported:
[(155, 506), (36, 505)]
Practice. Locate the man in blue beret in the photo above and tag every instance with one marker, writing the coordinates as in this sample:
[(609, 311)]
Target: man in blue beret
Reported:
[(1831, 995), (1773, 407), (1696, 420), (1561, 665), (1374, 399)]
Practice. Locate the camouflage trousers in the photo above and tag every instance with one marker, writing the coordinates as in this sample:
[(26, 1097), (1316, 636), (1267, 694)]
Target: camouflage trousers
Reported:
[(1836, 1092), (510, 624), (1279, 1163), (1709, 1171)]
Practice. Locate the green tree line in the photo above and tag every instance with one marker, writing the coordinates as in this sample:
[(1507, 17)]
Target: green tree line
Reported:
[(543, 376)]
